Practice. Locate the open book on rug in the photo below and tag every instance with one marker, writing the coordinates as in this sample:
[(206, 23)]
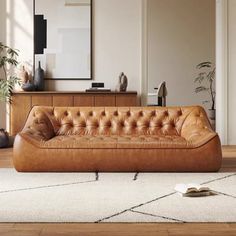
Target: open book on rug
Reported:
[(192, 190)]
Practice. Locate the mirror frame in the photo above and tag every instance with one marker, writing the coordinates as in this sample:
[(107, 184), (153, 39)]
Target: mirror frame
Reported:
[(91, 46)]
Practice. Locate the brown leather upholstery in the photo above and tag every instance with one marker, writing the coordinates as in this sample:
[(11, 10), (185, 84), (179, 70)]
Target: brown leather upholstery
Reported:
[(117, 139)]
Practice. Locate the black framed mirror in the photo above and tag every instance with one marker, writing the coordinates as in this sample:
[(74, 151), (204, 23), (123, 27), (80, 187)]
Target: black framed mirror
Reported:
[(63, 38)]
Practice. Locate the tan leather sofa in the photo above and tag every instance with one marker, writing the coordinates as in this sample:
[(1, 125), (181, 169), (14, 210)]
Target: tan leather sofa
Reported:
[(117, 139)]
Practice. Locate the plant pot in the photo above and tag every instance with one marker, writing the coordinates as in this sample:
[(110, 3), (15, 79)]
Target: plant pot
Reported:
[(4, 139), (212, 114)]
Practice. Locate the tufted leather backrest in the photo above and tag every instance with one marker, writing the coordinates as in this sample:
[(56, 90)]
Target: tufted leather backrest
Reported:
[(113, 120)]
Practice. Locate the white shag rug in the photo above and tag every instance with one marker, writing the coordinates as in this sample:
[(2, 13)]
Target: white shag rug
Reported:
[(114, 197)]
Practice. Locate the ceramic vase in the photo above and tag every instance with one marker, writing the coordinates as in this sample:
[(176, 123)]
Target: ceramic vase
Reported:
[(24, 76), (28, 86), (39, 78)]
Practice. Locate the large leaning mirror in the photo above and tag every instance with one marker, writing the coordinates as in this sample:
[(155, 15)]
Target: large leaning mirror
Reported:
[(62, 38)]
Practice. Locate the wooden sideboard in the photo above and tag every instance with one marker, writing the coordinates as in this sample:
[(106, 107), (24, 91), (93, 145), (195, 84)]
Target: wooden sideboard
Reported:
[(22, 102)]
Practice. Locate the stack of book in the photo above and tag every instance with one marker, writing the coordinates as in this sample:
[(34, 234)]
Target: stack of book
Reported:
[(98, 90)]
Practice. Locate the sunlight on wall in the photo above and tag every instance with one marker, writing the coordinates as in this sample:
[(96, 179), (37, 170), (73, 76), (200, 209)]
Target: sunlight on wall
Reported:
[(19, 33), (20, 27), (2, 39)]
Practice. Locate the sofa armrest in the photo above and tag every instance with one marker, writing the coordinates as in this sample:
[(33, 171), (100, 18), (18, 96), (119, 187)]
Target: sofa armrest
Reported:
[(196, 128), (38, 126)]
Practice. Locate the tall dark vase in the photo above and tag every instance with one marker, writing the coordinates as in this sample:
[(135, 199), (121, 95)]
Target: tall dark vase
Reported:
[(39, 78)]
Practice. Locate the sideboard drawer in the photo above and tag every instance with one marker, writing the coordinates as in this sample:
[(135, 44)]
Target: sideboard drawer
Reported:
[(84, 100), (41, 100), (62, 101), (126, 100), (105, 101)]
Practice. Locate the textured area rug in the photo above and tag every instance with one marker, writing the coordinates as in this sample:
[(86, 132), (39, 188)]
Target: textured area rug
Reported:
[(114, 197)]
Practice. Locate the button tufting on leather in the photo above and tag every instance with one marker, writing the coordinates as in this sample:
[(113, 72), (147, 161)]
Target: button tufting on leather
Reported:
[(166, 113), (108, 123), (82, 124), (153, 113), (66, 113), (133, 124), (122, 124)]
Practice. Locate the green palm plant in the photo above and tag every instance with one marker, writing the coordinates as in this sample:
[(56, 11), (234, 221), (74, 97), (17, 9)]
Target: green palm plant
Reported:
[(207, 75), (8, 79)]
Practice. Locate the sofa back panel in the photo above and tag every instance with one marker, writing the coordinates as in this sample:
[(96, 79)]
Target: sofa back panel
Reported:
[(116, 120)]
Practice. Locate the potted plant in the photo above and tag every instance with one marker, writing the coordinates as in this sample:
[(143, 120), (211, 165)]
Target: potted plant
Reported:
[(8, 80), (205, 81)]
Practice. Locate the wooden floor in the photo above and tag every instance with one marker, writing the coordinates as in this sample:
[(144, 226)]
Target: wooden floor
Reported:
[(165, 229)]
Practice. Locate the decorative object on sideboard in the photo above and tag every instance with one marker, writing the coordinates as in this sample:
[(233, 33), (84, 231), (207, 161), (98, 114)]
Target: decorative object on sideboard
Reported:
[(39, 78), (24, 76), (8, 64), (123, 83), (4, 139), (29, 86), (98, 87), (26, 81), (205, 80)]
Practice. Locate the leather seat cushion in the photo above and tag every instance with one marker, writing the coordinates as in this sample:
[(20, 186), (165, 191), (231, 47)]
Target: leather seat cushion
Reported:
[(142, 141)]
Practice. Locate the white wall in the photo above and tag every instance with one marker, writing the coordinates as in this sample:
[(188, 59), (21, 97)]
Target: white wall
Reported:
[(181, 34), (2, 39), (232, 72), (222, 69)]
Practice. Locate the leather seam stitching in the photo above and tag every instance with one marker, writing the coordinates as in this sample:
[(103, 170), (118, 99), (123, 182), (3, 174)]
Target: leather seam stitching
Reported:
[(199, 146)]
